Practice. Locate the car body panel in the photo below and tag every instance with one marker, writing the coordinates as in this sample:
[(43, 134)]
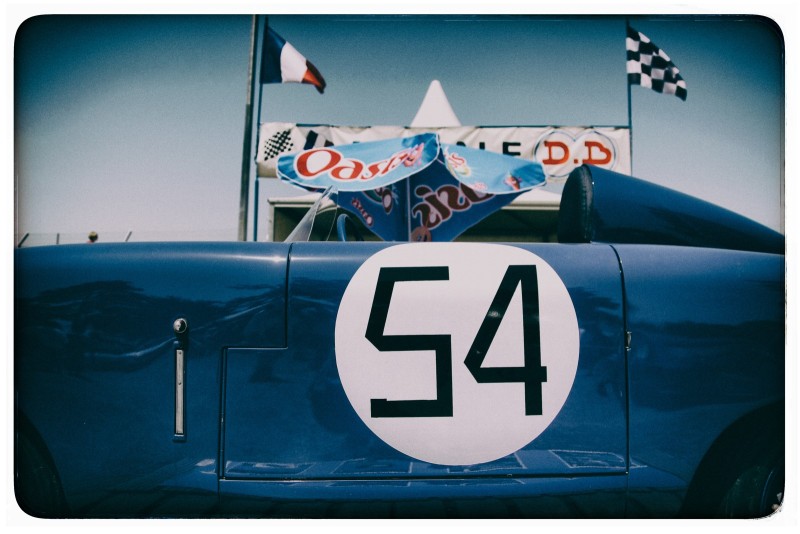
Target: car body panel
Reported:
[(97, 382), (255, 408), (603, 206), (287, 416), (707, 327)]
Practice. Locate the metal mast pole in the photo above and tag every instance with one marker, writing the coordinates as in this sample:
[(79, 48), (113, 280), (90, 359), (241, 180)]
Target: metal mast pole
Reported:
[(628, 84), (244, 195)]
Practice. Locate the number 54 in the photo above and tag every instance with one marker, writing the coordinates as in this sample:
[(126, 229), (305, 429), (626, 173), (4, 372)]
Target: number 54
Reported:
[(532, 374)]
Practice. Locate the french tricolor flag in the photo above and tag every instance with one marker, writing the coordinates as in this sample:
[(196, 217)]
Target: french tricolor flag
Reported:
[(282, 63)]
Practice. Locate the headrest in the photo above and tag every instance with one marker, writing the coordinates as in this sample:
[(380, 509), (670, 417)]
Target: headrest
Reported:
[(575, 212)]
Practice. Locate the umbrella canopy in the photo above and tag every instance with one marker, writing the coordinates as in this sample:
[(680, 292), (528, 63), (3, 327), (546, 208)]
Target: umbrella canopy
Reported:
[(413, 188)]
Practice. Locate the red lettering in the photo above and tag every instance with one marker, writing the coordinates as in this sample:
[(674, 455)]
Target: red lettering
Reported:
[(302, 161), (456, 160), (373, 170), (551, 160), (392, 163), (364, 213), (354, 167), (317, 161), (590, 159)]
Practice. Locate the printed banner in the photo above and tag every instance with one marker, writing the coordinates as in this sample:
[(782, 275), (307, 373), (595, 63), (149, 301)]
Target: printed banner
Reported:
[(413, 188), (383, 210), (361, 166), (441, 208), (558, 149)]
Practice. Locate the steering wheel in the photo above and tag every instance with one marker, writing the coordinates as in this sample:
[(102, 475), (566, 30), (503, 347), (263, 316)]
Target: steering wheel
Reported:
[(342, 223)]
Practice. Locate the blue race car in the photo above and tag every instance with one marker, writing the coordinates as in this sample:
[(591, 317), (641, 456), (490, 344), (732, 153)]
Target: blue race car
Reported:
[(634, 369)]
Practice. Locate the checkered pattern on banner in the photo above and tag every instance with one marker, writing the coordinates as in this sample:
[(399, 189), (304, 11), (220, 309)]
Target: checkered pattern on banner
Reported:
[(650, 67), (279, 143)]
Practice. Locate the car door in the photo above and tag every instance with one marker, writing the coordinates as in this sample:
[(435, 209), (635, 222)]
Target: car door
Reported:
[(434, 379), (117, 366)]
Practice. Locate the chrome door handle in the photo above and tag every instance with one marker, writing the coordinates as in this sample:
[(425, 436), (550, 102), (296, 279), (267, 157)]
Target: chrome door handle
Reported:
[(180, 327), (179, 392)]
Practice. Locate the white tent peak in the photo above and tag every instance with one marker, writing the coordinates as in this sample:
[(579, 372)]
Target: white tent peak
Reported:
[(435, 110)]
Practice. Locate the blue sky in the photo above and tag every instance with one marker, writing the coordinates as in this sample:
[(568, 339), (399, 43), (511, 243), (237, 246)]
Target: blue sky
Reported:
[(134, 123)]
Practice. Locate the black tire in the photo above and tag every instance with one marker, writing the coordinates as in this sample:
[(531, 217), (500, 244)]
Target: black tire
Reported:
[(743, 473), (36, 484), (757, 491)]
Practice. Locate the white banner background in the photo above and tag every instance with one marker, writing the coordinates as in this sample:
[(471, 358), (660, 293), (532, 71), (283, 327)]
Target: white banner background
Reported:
[(558, 149)]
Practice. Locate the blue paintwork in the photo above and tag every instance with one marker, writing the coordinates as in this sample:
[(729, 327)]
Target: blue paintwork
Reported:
[(712, 342), (629, 210), (286, 415), (269, 430), (95, 363)]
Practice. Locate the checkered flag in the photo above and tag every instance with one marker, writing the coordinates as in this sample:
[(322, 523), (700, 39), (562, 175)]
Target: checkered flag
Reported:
[(649, 66), (278, 144)]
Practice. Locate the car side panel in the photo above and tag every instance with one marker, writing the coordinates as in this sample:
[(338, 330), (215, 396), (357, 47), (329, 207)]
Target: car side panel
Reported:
[(291, 434), (707, 348), (95, 369)]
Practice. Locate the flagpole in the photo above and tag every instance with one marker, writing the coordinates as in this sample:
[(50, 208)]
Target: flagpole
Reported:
[(261, 31), (244, 189), (628, 85)]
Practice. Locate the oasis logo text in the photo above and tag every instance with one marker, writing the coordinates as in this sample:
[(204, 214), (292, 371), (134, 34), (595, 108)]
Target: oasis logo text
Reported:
[(314, 162)]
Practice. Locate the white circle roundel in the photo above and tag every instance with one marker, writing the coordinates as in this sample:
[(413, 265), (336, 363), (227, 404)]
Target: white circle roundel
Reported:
[(456, 353)]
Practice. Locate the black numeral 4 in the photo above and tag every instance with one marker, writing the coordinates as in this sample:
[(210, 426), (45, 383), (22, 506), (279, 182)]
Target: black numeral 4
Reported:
[(532, 374)]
